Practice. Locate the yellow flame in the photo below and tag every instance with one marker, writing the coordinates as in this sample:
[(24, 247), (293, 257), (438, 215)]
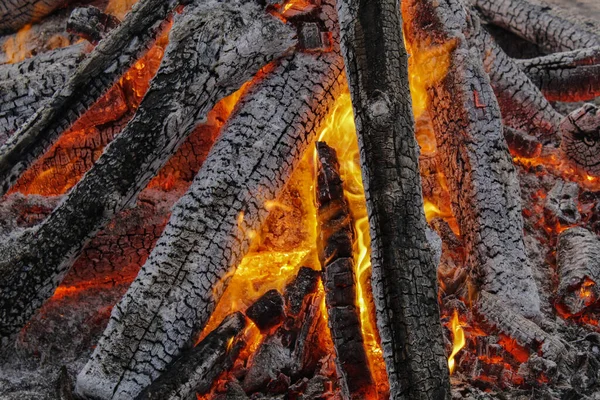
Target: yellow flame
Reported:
[(16, 47), (458, 340)]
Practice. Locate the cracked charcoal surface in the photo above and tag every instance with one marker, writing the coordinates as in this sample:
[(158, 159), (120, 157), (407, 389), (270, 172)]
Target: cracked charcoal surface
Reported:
[(403, 273), (172, 297), (173, 106), (580, 142), (14, 14), (483, 182)]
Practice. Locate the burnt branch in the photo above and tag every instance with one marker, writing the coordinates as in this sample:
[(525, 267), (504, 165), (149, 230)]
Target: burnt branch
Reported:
[(202, 64), (580, 132), (14, 14), (521, 144), (91, 24), (403, 272)]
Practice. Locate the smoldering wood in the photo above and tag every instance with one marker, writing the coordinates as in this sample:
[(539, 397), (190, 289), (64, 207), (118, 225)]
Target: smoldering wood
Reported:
[(203, 242), (196, 369), (94, 77), (28, 85), (580, 139), (306, 282), (561, 203), (570, 76), (201, 66), (335, 236), (482, 179), (14, 14), (539, 24), (522, 144), (268, 311), (64, 385), (404, 283), (578, 260), (90, 23)]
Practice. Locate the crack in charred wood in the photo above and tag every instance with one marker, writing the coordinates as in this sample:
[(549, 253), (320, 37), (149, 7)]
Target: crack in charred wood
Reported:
[(203, 63), (14, 14)]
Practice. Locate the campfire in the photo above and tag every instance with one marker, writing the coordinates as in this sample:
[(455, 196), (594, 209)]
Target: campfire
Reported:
[(299, 199)]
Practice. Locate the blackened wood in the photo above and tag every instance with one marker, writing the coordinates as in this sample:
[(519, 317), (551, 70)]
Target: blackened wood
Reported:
[(197, 71), (578, 259), (196, 369), (335, 236), (522, 144), (93, 78), (539, 24), (481, 177), (580, 134), (403, 273), (90, 23), (570, 76), (203, 242), (268, 311), (561, 204), (14, 14), (306, 282), (64, 385)]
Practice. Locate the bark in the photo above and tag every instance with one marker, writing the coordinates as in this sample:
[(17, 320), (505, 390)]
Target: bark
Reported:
[(96, 74), (14, 14), (404, 280), (570, 76), (539, 24), (195, 371), (26, 86), (91, 24), (522, 104), (203, 243), (335, 234), (581, 139), (482, 180), (202, 64), (578, 259)]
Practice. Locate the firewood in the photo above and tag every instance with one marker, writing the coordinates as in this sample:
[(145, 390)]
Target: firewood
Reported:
[(522, 144), (578, 259), (90, 23), (403, 279), (335, 237), (203, 241), (305, 282), (196, 369), (570, 76), (14, 14), (561, 203), (268, 311), (539, 24), (26, 86), (94, 77), (580, 142), (186, 87), (482, 179)]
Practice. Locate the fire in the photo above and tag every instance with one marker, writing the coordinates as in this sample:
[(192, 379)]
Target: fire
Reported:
[(119, 8), (458, 340), (16, 48)]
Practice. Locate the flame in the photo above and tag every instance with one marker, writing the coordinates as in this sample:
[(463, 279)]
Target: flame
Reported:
[(119, 8), (16, 48), (458, 340)]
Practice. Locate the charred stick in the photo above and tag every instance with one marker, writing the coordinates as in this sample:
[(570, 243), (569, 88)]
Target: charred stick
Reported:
[(305, 283), (482, 179), (335, 234), (522, 144), (14, 14), (539, 24), (91, 24), (268, 311), (196, 369), (203, 241), (403, 272), (580, 134), (187, 85)]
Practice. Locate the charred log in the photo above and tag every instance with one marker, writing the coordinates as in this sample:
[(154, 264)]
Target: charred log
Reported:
[(268, 311), (195, 370), (403, 273), (481, 176), (91, 24), (203, 242), (578, 259), (580, 142), (539, 24), (521, 144), (305, 283), (14, 14), (184, 90), (335, 239), (96, 74), (561, 204)]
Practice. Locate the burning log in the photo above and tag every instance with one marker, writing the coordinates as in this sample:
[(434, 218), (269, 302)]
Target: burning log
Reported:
[(475, 158), (306, 282), (581, 139), (196, 369), (204, 239), (186, 87), (268, 311), (521, 144), (404, 280), (14, 14), (91, 24), (539, 24), (96, 74), (26, 86), (561, 203), (335, 240), (578, 259), (569, 76)]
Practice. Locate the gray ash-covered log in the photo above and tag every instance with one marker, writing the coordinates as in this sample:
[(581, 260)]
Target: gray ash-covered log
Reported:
[(580, 134), (14, 14), (90, 23)]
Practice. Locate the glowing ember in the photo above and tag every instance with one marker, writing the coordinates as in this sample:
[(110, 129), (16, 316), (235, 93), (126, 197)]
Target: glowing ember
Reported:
[(458, 340), (16, 48)]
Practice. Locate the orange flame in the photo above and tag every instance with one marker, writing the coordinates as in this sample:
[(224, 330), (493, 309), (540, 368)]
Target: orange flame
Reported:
[(458, 340), (16, 47)]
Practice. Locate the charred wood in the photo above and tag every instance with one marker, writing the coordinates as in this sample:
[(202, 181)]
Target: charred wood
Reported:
[(203, 242), (91, 24), (14, 14), (522, 144), (580, 133), (268, 311), (539, 24), (475, 159), (184, 90), (196, 369), (561, 204), (578, 258), (335, 234), (305, 282)]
